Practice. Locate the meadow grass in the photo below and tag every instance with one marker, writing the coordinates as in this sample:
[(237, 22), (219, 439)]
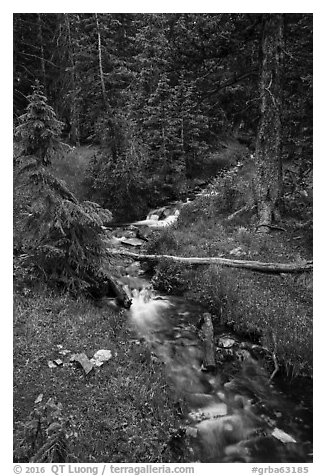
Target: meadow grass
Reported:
[(123, 411)]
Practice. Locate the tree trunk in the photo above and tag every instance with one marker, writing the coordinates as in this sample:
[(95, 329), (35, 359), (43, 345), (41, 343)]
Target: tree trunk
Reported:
[(74, 115), (270, 268), (40, 38), (268, 180), (100, 65)]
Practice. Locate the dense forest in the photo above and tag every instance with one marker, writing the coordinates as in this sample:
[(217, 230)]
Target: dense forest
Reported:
[(119, 114), (160, 92)]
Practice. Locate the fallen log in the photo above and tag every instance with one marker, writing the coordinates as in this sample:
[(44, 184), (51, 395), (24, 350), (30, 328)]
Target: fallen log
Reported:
[(207, 332), (271, 268)]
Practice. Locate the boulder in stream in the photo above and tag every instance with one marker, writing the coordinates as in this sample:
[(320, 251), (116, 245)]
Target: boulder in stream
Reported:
[(136, 242), (225, 342)]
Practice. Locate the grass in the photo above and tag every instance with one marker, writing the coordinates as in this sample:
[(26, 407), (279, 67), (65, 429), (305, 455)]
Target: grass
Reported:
[(276, 310), (121, 412)]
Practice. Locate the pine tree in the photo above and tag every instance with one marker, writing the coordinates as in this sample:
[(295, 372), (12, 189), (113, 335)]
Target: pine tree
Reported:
[(39, 129), (60, 237)]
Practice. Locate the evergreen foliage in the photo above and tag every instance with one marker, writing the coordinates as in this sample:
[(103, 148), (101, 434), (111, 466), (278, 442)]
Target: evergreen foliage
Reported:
[(39, 130), (59, 236), (121, 183)]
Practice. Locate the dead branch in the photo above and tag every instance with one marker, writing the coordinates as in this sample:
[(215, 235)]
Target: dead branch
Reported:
[(271, 227), (239, 212)]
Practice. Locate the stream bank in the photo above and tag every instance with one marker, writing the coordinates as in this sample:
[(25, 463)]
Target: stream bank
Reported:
[(235, 413)]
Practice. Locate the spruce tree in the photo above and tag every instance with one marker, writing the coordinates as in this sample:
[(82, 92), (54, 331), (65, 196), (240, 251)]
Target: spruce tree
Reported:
[(39, 129), (59, 236)]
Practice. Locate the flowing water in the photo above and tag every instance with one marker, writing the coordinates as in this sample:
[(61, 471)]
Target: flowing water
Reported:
[(239, 418), (235, 413)]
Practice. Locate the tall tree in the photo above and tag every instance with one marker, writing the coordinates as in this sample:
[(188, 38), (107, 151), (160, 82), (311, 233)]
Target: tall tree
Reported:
[(73, 89), (268, 179), (100, 62)]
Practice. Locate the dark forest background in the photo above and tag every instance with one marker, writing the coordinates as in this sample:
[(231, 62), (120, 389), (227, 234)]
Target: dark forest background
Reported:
[(162, 95)]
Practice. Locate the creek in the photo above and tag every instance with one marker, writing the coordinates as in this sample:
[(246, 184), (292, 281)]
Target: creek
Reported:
[(234, 413)]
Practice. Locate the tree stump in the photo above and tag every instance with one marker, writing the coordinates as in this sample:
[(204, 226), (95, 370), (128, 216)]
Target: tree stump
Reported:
[(207, 332)]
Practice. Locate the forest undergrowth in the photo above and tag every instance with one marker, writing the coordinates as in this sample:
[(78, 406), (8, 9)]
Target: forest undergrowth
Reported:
[(275, 310)]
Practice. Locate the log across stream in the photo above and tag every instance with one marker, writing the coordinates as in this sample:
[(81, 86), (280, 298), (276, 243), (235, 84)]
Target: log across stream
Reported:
[(272, 268)]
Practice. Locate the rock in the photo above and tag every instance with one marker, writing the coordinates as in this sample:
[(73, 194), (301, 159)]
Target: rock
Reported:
[(58, 362), (109, 303), (192, 432), (133, 283), (237, 251), (64, 352), (51, 364), (83, 361), (39, 398), (242, 354), (236, 450), (96, 363), (225, 342), (216, 410), (154, 217), (213, 434), (130, 233), (101, 356), (282, 436), (199, 399), (244, 345), (113, 241), (133, 268), (211, 411), (131, 241), (144, 233)]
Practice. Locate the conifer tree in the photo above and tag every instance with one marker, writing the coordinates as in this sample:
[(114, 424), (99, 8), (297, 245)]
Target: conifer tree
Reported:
[(39, 129), (60, 236)]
